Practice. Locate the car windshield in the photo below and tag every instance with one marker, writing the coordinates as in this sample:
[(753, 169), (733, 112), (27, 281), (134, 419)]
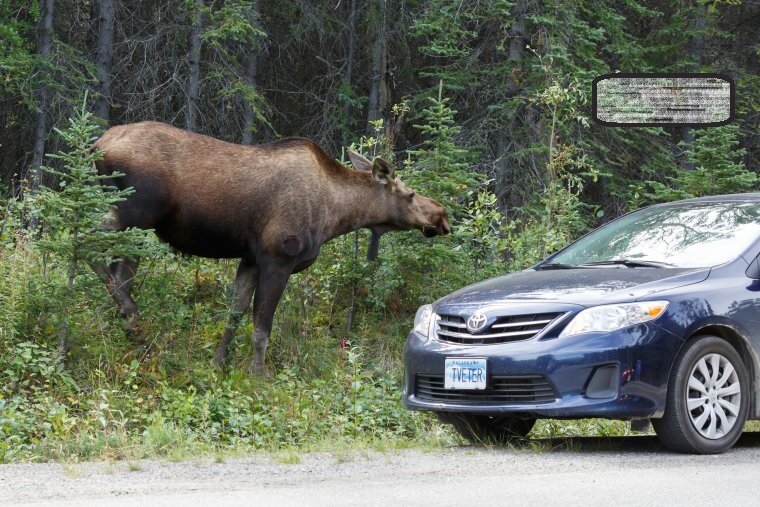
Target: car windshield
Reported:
[(695, 234)]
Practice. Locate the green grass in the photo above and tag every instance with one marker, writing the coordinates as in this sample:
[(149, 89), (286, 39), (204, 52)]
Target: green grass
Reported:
[(71, 470), (288, 456), (553, 428)]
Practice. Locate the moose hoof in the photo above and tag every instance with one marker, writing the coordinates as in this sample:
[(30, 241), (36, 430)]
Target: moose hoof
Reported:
[(130, 319), (258, 370), (130, 325), (217, 363)]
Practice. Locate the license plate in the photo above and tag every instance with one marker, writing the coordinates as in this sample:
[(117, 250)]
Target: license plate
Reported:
[(464, 373)]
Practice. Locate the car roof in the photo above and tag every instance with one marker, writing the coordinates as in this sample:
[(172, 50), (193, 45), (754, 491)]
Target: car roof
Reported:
[(748, 197)]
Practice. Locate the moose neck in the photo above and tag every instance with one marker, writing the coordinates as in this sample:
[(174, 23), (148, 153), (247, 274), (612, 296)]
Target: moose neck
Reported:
[(359, 202)]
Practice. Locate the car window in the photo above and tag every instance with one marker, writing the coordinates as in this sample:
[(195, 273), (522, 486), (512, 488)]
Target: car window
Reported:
[(683, 235)]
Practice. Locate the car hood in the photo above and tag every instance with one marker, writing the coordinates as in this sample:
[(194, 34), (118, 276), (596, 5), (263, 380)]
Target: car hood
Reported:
[(585, 287)]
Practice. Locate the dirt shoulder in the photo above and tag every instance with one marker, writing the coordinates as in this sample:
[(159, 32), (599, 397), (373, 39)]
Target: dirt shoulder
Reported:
[(628, 470)]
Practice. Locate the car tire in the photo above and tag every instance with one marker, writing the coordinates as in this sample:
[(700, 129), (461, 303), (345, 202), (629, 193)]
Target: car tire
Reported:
[(478, 428), (707, 403)]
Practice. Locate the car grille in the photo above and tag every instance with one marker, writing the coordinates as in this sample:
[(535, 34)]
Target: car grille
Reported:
[(453, 329), (499, 390)]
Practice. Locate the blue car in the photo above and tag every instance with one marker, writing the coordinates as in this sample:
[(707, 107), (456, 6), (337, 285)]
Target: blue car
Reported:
[(654, 316)]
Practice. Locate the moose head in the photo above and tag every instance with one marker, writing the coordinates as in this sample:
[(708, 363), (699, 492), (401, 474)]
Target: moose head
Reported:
[(407, 210)]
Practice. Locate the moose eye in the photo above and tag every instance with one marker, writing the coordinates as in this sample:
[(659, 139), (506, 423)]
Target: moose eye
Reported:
[(411, 196)]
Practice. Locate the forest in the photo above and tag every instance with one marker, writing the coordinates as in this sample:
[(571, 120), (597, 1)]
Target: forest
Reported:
[(484, 105)]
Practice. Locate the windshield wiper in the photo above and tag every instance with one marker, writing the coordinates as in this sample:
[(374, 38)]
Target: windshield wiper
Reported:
[(555, 265), (631, 263)]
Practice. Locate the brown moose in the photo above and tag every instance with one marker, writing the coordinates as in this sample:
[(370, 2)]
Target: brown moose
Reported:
[(271, 205)]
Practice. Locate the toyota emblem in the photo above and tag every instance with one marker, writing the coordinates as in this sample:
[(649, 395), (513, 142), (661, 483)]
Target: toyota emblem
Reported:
[(476, 323)]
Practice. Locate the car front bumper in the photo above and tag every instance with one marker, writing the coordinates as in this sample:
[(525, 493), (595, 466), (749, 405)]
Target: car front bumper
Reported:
[(637, 361)]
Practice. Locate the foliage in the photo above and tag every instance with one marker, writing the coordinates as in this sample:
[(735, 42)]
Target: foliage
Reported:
[(157, 406), (717, 168), (442, 169), (481, 229), (232, 33), (74, 212), (17, 54), (233, 21)]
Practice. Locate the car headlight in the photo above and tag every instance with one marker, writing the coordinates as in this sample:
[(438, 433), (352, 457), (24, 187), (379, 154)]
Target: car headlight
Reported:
[(424, 321), (611, 317)]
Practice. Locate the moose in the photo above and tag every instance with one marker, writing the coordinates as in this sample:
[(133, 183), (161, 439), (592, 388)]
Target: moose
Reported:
[(272, 206)]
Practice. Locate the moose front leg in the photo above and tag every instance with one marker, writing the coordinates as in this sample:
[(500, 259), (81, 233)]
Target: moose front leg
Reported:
[(245, 284), (272, 283)]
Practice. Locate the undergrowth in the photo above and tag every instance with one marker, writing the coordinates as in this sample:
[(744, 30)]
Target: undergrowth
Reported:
[(153, 394)]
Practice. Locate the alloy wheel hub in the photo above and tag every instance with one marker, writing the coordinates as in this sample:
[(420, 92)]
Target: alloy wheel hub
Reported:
[(713, 396)]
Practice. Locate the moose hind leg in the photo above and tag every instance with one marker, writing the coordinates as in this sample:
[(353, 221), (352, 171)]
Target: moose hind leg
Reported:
[(127, 306), (272, 283), (116, 280), (125, 272), (124, 275), (245, 284)]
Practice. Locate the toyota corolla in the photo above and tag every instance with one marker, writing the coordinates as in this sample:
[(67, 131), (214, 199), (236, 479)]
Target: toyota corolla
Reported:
[(653, 316)]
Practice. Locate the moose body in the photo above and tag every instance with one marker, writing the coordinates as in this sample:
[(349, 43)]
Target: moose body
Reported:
[(271, 205)]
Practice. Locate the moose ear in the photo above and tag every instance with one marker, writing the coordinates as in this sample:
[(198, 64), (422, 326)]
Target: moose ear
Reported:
[(383, 172), (359, 162)]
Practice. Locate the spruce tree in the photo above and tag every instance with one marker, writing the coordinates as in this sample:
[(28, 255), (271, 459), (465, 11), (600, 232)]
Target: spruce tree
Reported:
[(73, 213), (718, 168), (442, 166)]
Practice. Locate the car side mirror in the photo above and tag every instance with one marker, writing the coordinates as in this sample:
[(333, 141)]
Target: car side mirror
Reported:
[(753, 270)]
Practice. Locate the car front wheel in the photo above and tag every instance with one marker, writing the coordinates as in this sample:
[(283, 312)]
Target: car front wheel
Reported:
[(479, 428), (708, 398)]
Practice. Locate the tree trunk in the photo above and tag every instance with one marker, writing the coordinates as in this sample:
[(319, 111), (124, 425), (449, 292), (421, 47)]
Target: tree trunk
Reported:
[(349, 69), (251, 69), (517, 32), (63, 332), (194, 64), (696, 55), (503, 163), (44, 43), (104, 57), (378, 84), (346, 140)]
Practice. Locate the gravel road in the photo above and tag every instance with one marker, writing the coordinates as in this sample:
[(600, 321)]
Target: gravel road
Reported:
[(588, 471)]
